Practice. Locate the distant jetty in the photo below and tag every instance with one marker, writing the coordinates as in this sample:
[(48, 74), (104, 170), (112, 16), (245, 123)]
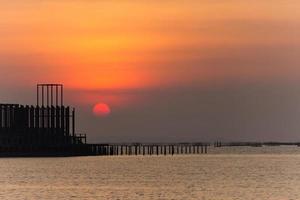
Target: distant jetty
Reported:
[(254, 144), (48, 129)]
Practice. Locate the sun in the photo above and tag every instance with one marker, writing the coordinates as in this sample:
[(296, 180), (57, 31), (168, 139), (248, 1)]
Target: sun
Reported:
[(101, 110)]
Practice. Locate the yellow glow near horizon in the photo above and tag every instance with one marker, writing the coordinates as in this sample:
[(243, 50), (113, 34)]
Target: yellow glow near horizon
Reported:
[(137, 44)]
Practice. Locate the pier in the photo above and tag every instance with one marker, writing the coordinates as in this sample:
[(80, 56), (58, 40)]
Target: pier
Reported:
[(254, 144), (148, 149)]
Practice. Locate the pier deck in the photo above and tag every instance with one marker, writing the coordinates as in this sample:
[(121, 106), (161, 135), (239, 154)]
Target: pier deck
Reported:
[(148, 148)]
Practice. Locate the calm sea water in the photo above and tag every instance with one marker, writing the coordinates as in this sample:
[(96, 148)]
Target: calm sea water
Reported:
[(225, 173)]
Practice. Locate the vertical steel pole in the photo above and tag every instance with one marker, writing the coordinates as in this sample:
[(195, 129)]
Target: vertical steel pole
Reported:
[(62, 95), (73, 122), (56, 95), (0, 116), (42, 95), (37, 118), (5, 116), (51, 88), (62, 122), (47, 89), (67, 121), (37, 94)]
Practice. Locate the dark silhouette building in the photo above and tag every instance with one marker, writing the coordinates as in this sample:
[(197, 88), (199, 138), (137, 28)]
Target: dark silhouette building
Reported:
[(47, 128)]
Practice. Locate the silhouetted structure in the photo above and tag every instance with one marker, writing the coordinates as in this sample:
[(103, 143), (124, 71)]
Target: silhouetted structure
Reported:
[(48, 129), (149, 148), (45, 129)]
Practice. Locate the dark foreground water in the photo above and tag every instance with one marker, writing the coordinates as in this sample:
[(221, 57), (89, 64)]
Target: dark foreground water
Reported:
[(226, 173)]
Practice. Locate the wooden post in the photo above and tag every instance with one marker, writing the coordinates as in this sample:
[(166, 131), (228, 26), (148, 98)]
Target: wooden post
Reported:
[(136, 150), (139, 149)]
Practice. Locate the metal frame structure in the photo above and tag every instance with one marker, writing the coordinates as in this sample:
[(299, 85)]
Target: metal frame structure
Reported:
[(50, 122), (53, 92)]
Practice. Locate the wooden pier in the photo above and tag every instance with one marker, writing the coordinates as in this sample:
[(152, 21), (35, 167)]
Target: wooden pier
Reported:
[(148, 149)]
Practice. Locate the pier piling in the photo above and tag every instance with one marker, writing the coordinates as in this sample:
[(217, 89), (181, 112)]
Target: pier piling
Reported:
[(145, 149)]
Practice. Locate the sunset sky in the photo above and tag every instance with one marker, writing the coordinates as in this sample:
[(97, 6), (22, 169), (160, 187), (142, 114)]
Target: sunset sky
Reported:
[(167, 70)]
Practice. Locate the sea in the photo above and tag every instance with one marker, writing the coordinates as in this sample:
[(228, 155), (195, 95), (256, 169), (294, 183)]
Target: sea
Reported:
[(225, 173)]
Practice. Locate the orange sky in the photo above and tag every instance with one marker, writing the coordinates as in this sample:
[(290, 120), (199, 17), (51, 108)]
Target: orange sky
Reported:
[(139, 44), (168, 69)]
